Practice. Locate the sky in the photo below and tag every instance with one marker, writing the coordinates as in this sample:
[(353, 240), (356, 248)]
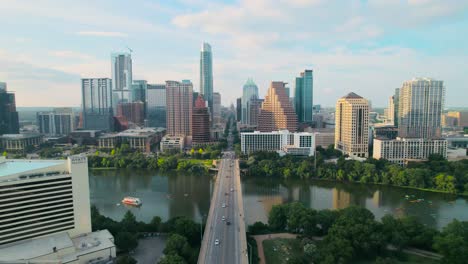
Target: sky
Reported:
[(369, 47)]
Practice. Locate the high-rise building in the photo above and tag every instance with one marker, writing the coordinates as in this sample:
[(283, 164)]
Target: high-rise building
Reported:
[(139, 88), (254, 108), (352, 126), (283, 141), (457, 118), (45, 213), (239, 109), (59, 122), (421, 102), (156, 105), (9, 123), (179, 108), (277, 112), (121, 64), (396, 106), (389, 112), (303, 97), (133, 112), (249, 91), (216, 109), (200, 122), (206, 74), (97, 104)]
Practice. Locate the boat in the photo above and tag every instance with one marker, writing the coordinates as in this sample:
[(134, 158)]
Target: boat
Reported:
[(132, 201)]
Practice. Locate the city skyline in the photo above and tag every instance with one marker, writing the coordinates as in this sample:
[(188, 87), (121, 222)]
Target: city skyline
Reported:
[(366, 50)]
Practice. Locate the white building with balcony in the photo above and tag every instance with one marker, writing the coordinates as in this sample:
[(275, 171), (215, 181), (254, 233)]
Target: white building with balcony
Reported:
[(283, 142)]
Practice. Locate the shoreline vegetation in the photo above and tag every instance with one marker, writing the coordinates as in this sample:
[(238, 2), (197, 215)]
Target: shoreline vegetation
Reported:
[(434, 175), (353, 235)]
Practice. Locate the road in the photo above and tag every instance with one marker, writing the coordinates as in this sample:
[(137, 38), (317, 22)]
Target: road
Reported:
[(224, 240)]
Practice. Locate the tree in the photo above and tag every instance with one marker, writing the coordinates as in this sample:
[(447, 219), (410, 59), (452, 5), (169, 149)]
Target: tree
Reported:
[(277, 218), (129, 222), (153, 226), (172, 259), (126, 259), (325, 219), (4, 154), (452, 243), (187, 228), (126, 241), (112, 152), (445, 183), (310, 250), (178, 245)]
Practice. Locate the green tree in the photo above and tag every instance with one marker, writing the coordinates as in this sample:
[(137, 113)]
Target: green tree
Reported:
[(4, 154), (178, 245), (278, 217), (445, 183), (112, 152), (172, 259), (129, 222), (452, 243), (126, 241)]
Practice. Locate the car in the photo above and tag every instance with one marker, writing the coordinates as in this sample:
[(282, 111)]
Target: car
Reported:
[(223, 205), (232, 189), (223, 218), (228, 223), (217, 242)]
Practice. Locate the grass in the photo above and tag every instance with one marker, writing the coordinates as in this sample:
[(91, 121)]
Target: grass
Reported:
[(205, 162), (280, 250)]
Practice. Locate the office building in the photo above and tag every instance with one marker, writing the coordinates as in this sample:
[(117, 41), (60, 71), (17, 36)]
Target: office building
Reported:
[(253, 110), (156, 105), (216, 120), (97, 104), (421, 102), (384, 132), (206, 75), (404, 150), (46, 214), (200, 122), (239, 109), (303, 97), (59, 122), (456, 119), (172, 143), (139, 88), (396, 106), (133, 112), (389, 112), (179, 108), (249, 91), (324, 137), (277, 112), (142, 139), (352, 126), (121, 64), (283, 142), (18, 142), (9, 123)]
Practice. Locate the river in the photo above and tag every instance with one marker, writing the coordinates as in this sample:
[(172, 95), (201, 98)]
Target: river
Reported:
[(168, 195)]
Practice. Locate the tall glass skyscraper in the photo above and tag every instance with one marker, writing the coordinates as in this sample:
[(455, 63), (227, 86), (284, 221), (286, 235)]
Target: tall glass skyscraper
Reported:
[(249, 92), (421, 102), (8, 115), (97, 104), (156, 105), (121, 64), (206, 75), (303, 96)]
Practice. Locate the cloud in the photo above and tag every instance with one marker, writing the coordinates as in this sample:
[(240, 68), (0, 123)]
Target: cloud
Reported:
[(102, 34)]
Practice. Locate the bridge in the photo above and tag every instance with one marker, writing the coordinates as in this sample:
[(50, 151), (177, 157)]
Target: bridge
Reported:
[(224, 239)]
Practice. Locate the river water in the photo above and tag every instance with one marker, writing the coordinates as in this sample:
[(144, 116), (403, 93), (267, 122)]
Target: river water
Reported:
[(168, 195)]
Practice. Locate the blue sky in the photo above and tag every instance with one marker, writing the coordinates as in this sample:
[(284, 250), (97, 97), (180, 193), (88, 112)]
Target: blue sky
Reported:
[(366, 46)]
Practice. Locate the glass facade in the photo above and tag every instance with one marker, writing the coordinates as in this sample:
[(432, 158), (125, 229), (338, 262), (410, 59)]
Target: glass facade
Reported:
[(156, 105), (206, 74), (303, 97), (249, 92), (97, 104)]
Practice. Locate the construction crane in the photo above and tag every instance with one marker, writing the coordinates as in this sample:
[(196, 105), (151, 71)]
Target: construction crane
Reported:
[(129, 49)]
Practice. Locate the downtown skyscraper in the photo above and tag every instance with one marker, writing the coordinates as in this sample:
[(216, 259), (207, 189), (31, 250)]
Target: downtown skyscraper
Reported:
[(249, 94), (121, 64), (277, 112), (206, 75), (9, 123), (352, 126), (179, 108), (96, 94), (420, 106), (303, 96)]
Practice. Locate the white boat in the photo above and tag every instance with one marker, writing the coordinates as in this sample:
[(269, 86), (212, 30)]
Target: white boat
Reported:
[(132, 201)]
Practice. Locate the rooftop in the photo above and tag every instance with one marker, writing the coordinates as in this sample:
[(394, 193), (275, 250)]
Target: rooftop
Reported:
[(19, 136), (352, 96), (41, 247), (9, 167)]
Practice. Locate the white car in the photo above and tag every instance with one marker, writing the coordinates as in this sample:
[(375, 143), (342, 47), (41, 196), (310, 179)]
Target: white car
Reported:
[(232, 189), (223, 218), (217, 242), (223, 205)]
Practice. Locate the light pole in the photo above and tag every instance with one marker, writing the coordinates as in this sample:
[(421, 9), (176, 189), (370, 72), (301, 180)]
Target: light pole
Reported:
[(250, 255)]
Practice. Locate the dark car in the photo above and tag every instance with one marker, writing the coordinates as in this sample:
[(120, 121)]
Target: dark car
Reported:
[(228, 223)]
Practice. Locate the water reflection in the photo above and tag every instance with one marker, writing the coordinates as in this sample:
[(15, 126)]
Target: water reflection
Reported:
[(433, 209), (166, 196)]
